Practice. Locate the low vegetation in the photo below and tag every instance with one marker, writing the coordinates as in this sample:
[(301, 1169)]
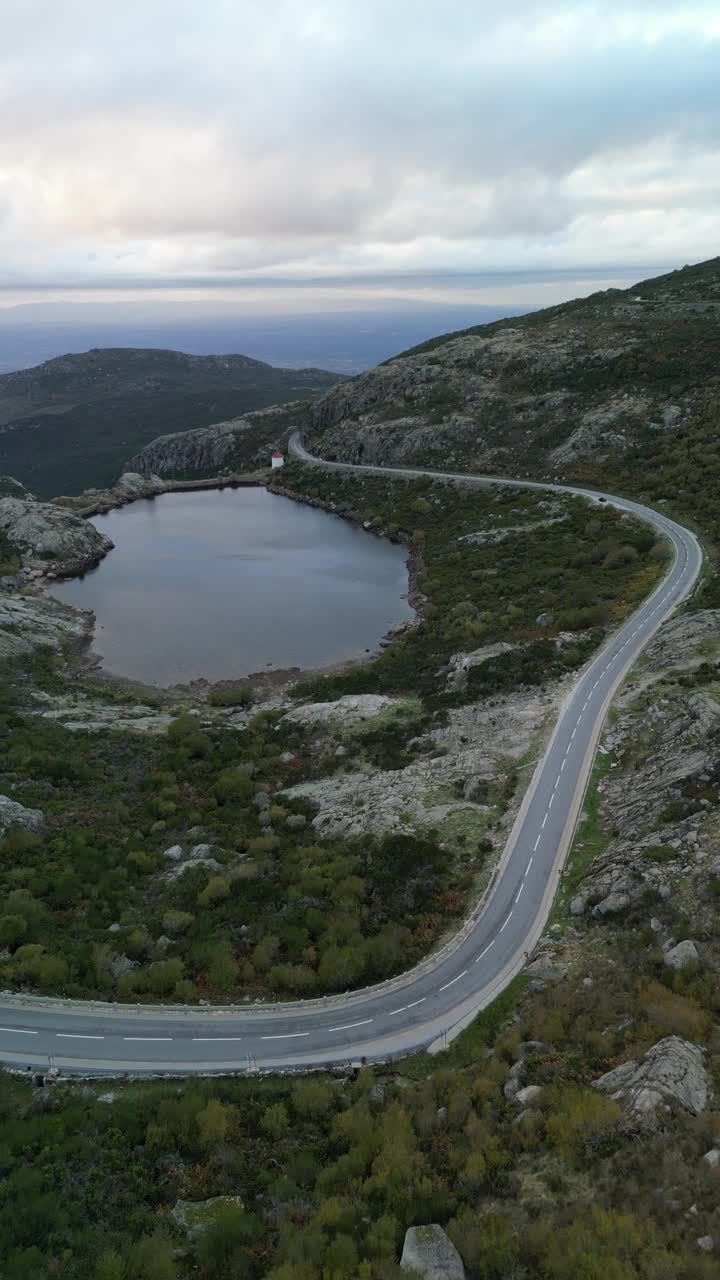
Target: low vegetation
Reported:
[(547, 576), (265, 908), (327, 1173)]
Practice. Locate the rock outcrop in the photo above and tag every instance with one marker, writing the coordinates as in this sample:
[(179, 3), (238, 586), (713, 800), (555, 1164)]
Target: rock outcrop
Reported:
[(352, 709), (672, 1071), (11, 488), (682, 956), (201, 450), (461, 663), (217, 448), (662, 837), (29, 622), (431, 1254), (49, 538), (80, 713), (199, 856), (195, 1216), (13, 814), (131, 486), (478, 743)]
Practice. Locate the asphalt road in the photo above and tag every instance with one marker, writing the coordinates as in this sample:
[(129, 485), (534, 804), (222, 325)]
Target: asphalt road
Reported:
[(430, 1004)]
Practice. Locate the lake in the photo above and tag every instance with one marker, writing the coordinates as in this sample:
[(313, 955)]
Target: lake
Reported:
[(220, 583)]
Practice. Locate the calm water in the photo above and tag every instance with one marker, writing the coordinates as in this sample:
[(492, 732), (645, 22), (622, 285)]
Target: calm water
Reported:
[(223, 582)]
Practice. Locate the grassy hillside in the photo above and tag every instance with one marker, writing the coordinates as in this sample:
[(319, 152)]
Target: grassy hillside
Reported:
[(72, 423)]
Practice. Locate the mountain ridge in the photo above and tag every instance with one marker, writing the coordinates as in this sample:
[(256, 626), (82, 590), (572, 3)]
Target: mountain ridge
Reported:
[(71, 422), (574, 382)]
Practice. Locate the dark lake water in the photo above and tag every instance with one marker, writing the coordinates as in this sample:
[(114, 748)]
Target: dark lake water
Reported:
[(223, 582)]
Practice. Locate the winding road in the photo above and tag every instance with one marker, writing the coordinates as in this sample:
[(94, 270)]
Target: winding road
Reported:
[(430, 1004)]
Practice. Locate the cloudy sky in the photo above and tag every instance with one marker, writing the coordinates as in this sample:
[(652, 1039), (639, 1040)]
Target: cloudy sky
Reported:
[(156, 143)]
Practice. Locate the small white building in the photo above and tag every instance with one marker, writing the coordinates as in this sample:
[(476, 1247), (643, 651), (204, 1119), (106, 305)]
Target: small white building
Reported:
[(277, 459)]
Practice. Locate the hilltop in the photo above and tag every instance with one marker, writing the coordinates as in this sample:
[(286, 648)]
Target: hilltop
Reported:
[(71, 422)]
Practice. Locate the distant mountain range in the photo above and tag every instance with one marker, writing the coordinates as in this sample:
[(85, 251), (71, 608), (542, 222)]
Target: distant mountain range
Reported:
[(72, 422)]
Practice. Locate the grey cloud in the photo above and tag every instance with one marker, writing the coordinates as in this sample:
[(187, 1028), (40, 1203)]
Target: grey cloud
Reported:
[(164, 137)]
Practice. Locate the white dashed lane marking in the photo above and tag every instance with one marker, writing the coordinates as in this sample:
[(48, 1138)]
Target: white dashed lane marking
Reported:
[(454, 980), (484, 953), (17, 1031), (522, 886), (405, 1007), (216, 1039), (75, 1035), (291, 1035), (506, 922), (348, 1026)]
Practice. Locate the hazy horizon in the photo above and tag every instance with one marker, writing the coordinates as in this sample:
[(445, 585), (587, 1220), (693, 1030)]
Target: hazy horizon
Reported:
[(342, 325)]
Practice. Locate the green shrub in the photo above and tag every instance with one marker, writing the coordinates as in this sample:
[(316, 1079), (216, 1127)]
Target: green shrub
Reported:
[(238, 695)]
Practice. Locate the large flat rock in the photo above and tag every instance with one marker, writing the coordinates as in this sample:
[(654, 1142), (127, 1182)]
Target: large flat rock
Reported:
[(431, 1254)]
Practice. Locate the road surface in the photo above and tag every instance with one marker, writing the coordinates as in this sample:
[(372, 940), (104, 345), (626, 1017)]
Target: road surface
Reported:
[(427, 1006)]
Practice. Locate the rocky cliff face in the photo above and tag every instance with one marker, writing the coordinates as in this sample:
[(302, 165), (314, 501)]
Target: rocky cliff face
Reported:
[(238, 444), (578, 381)]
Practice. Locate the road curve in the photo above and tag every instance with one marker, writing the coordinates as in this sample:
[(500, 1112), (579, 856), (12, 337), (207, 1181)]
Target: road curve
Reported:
[(427, 1006)]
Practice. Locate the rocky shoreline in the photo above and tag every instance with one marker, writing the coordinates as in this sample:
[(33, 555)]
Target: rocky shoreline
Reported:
[(132, 486)]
